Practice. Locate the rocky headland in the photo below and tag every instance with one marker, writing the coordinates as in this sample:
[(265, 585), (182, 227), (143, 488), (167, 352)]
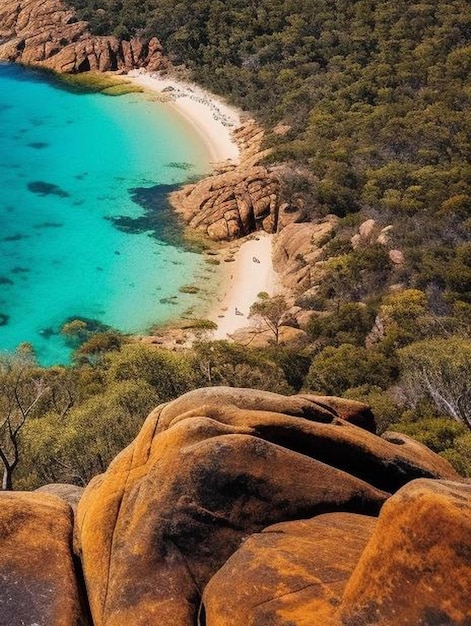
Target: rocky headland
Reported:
[(243, 507), (237, 199), (48, 34)]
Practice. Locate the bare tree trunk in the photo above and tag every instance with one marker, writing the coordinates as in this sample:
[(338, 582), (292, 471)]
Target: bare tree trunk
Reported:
[(7, 482)]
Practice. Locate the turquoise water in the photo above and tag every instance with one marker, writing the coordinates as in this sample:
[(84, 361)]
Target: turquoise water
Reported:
[(84, 227)]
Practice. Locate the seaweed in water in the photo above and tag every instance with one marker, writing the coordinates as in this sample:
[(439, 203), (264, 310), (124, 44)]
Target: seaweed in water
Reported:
[(47, 189), (16, 237), (49, 225), (37, 145), (5, 281), (4, 319), (47, 333), (20, 270), (176, 165), (158, 218)]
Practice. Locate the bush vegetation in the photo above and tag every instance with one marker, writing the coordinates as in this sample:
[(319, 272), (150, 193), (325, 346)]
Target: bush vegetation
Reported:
[(376, 97)]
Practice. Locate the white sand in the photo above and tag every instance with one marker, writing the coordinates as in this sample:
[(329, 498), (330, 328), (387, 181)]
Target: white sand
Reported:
[(211, 117), (244, 281)]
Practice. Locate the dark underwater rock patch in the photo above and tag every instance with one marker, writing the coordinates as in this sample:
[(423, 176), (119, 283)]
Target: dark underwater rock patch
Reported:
[(16, 237), (4, 280), (49, 225), (43, 189), (4, 319), (20, 270), (38, 145), (48, 332), (158, 218)]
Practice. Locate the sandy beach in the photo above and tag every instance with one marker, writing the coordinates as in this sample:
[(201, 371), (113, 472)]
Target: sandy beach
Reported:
[(210, 116), (243, 279), (252, 269)]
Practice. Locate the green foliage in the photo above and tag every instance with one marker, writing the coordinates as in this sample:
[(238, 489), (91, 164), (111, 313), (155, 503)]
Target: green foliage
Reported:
[(224, 363), (336, 369), (439, 370), (170, 374), (270, 310), (385, 409), (77, 448), (349, 324), (442, 435), (360, 273)]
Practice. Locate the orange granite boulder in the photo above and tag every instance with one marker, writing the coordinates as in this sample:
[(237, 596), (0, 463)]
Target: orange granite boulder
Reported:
[(411, 567), (290, 573), (47, 33), (206, 471), (37, 575), (416, 570)]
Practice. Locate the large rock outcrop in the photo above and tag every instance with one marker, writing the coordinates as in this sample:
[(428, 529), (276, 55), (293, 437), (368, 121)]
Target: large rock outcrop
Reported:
[(236, 201), (37, 575), (298, 250), (411, 567), (236, 507), (211, 468), (47, 33), (290, 573), (417, 567)]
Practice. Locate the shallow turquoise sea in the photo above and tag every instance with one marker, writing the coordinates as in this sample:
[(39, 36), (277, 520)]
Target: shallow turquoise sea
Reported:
[(85, 231)]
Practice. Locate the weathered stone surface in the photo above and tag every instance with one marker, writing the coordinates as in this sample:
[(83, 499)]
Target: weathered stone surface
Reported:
[(411, 567), (37, 577), (207, 470), (236, 201), (297, 249), (416, 570), (290, 573), (69, 493), (349, 410), (396, 256), (47, 33)]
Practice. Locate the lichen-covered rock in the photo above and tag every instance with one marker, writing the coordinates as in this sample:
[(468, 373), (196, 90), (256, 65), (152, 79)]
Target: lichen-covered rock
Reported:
[(206, 471), (416, 570), (411, 567), (290, 573), (37, 576), (69, 493), (47, 33)]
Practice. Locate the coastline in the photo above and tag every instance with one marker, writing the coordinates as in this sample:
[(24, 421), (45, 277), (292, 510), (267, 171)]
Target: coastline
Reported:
[(212, 118), (250, 273), (246, 267)]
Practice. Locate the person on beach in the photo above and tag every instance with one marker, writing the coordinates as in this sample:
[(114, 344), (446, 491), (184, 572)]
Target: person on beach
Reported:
[(237, 312), (255, 260)]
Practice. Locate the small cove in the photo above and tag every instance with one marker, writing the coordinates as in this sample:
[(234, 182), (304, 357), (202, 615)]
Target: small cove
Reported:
[(84, 228)]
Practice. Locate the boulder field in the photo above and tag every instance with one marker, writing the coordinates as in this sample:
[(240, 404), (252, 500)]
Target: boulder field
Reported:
[(236, 507)]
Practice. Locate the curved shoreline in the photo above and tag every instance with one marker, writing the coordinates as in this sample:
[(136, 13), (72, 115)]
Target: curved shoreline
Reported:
[(247, 268), (212, 119)]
